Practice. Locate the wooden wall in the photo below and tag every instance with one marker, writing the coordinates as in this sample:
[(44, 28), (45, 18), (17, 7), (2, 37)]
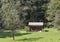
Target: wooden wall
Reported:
[(36, 28)]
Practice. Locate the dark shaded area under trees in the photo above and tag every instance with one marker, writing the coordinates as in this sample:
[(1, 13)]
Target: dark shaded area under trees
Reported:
[(8, 34)]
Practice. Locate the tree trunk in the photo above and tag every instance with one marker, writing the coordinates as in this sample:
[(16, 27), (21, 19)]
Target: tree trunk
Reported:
[(13, 32)]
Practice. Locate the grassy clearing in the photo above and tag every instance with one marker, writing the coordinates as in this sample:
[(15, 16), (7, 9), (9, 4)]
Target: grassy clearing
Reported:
[(21, 36)]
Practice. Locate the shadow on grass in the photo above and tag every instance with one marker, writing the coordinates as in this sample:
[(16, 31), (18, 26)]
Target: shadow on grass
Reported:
[(30, 39), (46, 30), (8, 34)]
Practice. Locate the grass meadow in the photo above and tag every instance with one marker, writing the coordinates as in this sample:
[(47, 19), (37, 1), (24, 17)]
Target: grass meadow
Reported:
[(52, 35)]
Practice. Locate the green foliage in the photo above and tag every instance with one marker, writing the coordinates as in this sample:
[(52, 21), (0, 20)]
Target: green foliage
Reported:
[(25, 10), (17, 12), (10, 14), (54, 12), (34, 10)]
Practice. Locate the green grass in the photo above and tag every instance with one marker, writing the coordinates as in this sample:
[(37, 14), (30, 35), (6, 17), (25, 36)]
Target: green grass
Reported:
[(21, 36)]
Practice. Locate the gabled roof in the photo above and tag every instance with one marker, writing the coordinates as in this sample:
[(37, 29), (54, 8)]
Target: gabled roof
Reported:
[(35, 23)]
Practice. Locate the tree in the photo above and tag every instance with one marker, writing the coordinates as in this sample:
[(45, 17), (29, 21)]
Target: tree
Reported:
[(53, 12), (10, 15), (34, 10)]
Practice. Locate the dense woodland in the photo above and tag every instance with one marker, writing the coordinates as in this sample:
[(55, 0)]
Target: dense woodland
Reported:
[(17, 13)]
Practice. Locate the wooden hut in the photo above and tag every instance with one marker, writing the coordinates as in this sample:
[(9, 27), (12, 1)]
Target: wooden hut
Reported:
[(35, 26)]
